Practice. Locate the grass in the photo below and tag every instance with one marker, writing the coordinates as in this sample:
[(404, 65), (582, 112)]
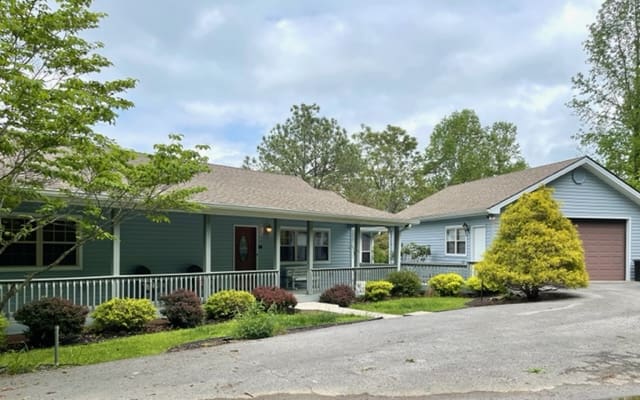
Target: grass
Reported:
[(150, 344), (411, 304)]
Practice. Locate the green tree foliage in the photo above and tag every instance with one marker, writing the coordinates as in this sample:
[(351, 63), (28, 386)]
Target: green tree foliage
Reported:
[(314, 148), (608, 94), (535, 246), (462, 150), (381, 248), (390, 171), (51, 101)]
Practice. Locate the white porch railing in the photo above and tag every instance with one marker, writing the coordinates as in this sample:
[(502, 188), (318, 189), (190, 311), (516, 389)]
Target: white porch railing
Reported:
[(92, 291), (324, 278), (426, 270)]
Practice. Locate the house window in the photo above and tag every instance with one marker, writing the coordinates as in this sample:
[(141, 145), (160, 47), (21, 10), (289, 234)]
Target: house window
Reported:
[(293, 245), (366, 249), (42, 246), (456, 241)]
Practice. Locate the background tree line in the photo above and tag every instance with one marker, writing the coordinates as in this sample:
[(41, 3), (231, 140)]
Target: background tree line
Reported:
[(385, 169)]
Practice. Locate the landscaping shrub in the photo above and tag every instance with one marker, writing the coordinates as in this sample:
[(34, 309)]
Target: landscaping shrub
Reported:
[(474, 284), (227, 304), (255, 323), (182, 309), (405, 283), (118, 315), (377, 290), (342, 295), (275, 298), (4, 324), (43, 315), (447, 284)]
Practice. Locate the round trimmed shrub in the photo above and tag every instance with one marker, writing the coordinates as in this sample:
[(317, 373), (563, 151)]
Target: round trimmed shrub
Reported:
[(474, 284), (447, 284), (342, 295), (377, 290), (227, 304), (41, 316), (182, 308), (255, 323), (275, 298), (405, 283), (123, 315)]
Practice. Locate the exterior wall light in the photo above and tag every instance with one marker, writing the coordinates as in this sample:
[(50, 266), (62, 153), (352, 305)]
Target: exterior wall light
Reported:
[(268, 229)]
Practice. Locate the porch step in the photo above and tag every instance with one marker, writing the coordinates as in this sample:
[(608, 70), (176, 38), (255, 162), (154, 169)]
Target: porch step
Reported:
[(313, 305)]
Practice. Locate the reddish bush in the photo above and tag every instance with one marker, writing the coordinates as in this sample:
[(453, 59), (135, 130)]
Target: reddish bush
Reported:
[(182, 309), (43, 315), (342, 295), (274, 298)]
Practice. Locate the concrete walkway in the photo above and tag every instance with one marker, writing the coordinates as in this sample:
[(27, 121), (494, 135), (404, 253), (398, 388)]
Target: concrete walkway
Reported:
[(314, 305)]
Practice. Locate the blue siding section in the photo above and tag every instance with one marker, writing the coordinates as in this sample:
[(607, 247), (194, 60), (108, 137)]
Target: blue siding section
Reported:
[(433, 235), (162, 247), (595, 199), (222, 238), (339, 242)]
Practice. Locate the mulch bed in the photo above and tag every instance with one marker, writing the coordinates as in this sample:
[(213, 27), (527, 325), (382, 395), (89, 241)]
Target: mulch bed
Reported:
[(549, 295)]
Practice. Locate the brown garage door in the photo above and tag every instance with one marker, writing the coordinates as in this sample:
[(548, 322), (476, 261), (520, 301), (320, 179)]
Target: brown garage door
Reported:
[(604, 248)]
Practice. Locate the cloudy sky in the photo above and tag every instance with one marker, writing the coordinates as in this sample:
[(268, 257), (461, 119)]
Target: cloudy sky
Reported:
[(224, 73)]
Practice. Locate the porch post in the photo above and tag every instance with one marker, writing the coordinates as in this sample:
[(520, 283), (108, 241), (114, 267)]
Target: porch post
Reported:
[(276, 249), (309, 257), (208, 253), (357, 256), (396, 246), (207, 243), (115, 263)]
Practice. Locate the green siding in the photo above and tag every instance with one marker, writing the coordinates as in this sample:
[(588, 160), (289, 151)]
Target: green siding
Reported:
[(340, 243), (222, 237), (163, 248)]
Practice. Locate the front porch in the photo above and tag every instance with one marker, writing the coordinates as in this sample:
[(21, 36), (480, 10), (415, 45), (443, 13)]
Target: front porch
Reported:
[(92, 291)]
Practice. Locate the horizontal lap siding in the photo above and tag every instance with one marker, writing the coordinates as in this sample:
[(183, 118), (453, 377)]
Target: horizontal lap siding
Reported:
[(340, 243), (223, 236), (433, 234), (162, 247), (593, 199)]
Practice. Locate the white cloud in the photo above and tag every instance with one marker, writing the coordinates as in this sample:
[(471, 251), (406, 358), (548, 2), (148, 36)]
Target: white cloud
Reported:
[(207, 21), (219, 114), (572, 21), (537, 98)]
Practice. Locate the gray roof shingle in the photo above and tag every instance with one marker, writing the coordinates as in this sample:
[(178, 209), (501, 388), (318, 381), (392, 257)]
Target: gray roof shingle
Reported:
[(478, 196), (229, 188)]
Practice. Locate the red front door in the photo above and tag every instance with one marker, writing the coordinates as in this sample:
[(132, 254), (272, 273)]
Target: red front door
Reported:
[(245, 248)]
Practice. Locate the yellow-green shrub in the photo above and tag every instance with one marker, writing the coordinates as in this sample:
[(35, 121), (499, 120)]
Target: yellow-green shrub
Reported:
[(475, 284), (447, 284), (4, 324), (377, 290), (116, 315), (228, 303), (535, 246)]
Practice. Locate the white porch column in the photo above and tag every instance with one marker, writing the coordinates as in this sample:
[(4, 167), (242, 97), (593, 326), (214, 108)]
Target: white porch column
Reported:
[(309, 257), (207, 243), (115, 262), (357, 246), (396, 246), (276, 244)]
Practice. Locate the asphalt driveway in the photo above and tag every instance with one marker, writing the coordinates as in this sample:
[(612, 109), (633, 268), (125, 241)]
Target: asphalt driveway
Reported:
[(586, 346)]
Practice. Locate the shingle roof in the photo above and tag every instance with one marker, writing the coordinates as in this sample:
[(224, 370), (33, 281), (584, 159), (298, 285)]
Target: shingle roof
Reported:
[(478, 196), (229, 188)]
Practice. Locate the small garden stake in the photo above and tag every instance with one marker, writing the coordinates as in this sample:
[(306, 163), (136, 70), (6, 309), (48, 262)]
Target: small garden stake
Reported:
[(56, 344)]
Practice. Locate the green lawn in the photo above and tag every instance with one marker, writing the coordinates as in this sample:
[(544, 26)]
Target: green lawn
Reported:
[(152, 343), (412, 304)]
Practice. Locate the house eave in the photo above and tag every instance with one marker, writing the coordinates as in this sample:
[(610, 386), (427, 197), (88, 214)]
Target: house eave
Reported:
[(262, 212), (592, 166), (454, 215)]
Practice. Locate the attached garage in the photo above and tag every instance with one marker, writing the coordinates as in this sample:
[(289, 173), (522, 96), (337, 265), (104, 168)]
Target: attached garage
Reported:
[(604, 244)]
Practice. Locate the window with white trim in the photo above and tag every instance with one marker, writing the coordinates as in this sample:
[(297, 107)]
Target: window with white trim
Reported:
[(293, 245), (365, 256), (42, 246), (456, 244)]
